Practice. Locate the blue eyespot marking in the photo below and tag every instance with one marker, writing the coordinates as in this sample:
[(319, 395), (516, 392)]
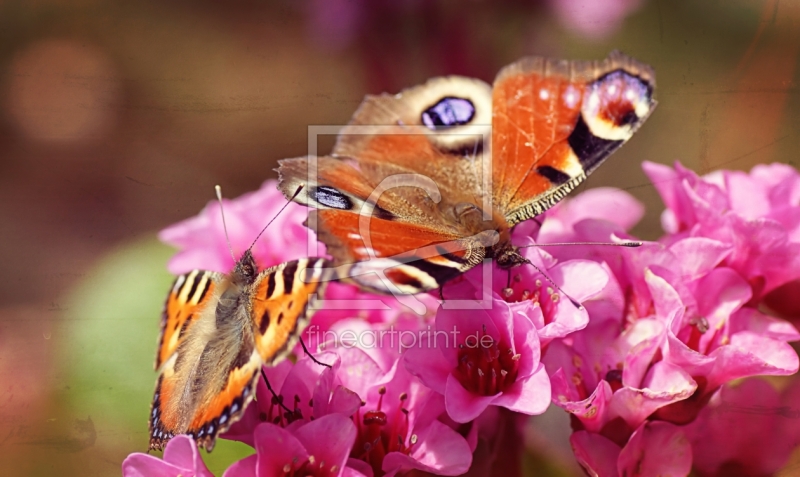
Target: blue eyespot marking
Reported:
[(448, 112)]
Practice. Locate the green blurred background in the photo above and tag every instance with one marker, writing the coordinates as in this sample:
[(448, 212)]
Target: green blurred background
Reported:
[(117, 118)]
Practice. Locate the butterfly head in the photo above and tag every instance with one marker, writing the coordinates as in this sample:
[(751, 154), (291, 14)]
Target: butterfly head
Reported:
[(245, 271)]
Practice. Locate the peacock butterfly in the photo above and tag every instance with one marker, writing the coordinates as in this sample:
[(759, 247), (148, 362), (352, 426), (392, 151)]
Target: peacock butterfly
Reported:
[(423, 185)]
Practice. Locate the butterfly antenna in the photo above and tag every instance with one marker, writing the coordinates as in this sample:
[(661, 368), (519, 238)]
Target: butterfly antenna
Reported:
[(615, 244), (574, 302), (296, 193), (218, 189)]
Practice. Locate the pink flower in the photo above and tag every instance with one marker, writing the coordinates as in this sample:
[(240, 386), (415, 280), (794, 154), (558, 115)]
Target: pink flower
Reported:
[(527, 291), (317, 448), (655, 448), (746, 429), (610, 382), (593, 18), (309, 390), (181, 458), (603, 204), (713, 341), (398, 426), (618, 372), (757, 215), (481, 358), (201, 239)]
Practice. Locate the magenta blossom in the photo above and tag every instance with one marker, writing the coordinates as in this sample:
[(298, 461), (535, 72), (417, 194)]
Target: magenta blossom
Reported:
[(655, 448), (594, 18), (398, 426), (482, 358), (181, 458), (528, 291), (201, 239), (318, 448), (756, 215), (746, 429), (308, 390), (608, 381)]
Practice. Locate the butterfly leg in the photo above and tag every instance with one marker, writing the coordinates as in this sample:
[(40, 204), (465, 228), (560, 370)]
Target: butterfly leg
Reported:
[(275, 396), (302, 343)]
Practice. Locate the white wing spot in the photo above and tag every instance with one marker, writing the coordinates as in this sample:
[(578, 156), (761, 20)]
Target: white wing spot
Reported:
[(544, 94)]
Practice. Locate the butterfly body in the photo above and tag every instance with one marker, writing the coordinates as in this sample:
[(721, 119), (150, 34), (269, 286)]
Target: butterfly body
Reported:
[(424, 185), (216, 332)]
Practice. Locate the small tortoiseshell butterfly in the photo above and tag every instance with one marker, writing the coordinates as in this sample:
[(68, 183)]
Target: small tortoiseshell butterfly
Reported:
[(418, 192), (217, 331)]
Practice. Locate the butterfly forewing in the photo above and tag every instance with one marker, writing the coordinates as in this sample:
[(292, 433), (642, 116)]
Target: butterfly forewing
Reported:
[(556, 121), (190, 293), (282, 297)]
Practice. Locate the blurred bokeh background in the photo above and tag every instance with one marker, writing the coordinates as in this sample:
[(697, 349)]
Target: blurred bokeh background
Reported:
[(117, 119)]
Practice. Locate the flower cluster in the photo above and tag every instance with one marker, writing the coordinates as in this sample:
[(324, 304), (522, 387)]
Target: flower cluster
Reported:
[(640, 345)]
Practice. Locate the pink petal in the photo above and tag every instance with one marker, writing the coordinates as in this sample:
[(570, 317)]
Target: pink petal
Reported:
[(720, 293), (656, 448), (750, 354), (439, 450), (328, 438), (357, 468), (464, 326), (592, 411), (742, 425), (144, 465), (527, 396), (609, 204), (344, 401), (667, 384), (358, 370), (429, 365), (526, 344), (639, 344), (749, 319), (595, 453), (276, 447), (666, 301), (246, 467), (182, 451), (699, 255), (665, 180), (462, 405)]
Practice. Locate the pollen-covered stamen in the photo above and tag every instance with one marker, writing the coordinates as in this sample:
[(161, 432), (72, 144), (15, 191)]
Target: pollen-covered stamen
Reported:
[(485, 366), (308, 468), (546, 297), (381, 432)]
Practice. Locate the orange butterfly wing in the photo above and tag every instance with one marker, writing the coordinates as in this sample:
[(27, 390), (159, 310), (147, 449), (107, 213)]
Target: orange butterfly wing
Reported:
[(555, 121), (201, 395), (190, 293), (374, 248)]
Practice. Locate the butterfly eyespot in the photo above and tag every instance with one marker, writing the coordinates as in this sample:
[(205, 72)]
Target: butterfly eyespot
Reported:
[(618, 99), (447, 113), (330, 197)]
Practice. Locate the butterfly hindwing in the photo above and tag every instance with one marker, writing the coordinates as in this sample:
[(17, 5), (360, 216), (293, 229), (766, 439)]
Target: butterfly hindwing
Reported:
[(394, 256)]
